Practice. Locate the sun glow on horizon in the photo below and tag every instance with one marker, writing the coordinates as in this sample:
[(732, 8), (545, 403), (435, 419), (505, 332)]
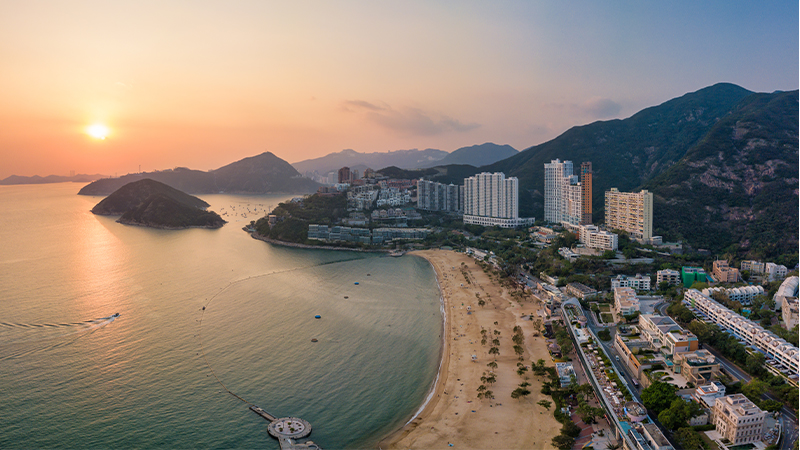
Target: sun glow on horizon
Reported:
[(97, 131)]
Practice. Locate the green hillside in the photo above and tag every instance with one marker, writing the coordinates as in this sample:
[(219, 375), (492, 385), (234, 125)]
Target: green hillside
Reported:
[(737, 189), (161, 211), (133, 194), (154, 204), (624, 153)]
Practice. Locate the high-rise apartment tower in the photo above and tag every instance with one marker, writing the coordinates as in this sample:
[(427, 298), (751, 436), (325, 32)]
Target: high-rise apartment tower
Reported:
[(631, 212), (554, 204), (586, 193)]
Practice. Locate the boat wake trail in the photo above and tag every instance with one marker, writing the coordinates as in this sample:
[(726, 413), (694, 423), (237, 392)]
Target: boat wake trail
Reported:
[(15, 337)]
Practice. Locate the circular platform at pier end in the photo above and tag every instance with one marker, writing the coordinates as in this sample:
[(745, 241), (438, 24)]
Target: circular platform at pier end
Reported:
[(289, 427)]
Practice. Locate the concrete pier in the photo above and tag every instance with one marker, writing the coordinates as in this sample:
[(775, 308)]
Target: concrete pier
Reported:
[(262, 413), (287, 429)]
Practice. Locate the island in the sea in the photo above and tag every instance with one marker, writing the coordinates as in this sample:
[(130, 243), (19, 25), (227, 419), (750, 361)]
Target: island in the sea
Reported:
[(153, 204)]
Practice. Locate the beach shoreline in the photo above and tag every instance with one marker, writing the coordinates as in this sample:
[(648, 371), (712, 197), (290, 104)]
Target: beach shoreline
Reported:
[(260, 237), (452, 413)]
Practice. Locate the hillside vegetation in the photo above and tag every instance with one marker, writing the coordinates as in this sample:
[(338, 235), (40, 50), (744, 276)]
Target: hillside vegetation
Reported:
[(624, 153), (737, 189), (154, 204)]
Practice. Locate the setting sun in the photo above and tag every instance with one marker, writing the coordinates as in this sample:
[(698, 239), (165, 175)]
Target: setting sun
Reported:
[(97, 131)]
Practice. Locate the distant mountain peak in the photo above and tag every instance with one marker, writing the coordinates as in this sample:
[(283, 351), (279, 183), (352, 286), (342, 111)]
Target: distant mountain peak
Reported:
[(259, 174)]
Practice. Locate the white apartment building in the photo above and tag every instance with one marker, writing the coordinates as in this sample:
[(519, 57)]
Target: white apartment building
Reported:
[(554, 173), (775, 271), (752, 266), (771, 270), (631, 212), (572, 200), (743, 295), (784, 353), (594, 237), (492, 199), (786, 299), (673, 277), (639, 282), (738, 419), (625, 301), (789, 312)]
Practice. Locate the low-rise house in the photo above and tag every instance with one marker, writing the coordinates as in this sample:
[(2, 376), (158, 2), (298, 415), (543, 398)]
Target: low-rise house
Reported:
[(698, 367), (625, 301), (666, 335), (638, 282), (581, 291), (565, 373), (568, 254), (724, 273), (743, 295), (594, 237), (673, 277), (707, 394)]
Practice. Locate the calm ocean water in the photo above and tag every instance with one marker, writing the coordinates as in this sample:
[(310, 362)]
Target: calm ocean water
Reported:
[(73, 377)]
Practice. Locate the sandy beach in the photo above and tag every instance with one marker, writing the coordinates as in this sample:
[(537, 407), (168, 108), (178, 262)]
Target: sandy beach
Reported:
[(455, 415)]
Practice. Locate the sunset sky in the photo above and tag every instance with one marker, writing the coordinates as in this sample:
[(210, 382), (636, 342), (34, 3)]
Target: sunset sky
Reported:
[(201, 83)]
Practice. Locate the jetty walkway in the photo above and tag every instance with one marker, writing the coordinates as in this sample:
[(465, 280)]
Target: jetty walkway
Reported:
[(287, 429)]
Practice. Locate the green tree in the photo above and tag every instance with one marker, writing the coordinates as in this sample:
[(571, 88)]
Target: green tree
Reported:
[(631, 317), (604, 334), (658, 396), (678, 413), (689, 439), (563, 442), (754, 389), (771, 405), (755, 363), (545, 404), (588, 413)]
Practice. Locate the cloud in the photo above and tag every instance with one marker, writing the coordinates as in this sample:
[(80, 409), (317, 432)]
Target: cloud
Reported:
[(410, 121), (361, 104), (601, 108)]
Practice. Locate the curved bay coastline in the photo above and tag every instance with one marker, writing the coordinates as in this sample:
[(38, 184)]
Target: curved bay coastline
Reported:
[(128, 383), (446, 416)]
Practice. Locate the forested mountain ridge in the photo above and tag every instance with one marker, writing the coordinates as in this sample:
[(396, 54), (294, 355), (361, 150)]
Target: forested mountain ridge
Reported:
[(625, 153), (737, 189)]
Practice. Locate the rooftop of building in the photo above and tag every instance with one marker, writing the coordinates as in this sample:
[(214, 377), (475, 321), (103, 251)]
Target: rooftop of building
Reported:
[(582, 287), (698, 358), (656, 435), (712, 388), (739, 405)]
